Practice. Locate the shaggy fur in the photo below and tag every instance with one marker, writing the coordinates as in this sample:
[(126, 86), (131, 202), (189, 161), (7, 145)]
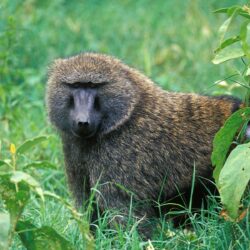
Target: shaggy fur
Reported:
[(149, 139)]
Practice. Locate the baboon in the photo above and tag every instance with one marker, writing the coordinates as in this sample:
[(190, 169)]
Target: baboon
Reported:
[(119, 129)]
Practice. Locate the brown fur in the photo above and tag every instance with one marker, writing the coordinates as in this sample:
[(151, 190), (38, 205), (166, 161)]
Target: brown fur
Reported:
[(151, 135)]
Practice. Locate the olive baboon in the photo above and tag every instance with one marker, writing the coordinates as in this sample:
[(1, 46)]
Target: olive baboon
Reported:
[(119, 129)]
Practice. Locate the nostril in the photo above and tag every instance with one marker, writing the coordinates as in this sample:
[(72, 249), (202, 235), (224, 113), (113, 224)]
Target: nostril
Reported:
[(83, 124)]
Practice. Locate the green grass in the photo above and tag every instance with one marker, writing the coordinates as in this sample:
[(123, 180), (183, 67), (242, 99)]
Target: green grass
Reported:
[(170, 41)]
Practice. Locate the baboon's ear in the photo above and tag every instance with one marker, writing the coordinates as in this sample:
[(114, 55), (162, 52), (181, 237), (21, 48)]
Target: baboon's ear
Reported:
[(121, 106)]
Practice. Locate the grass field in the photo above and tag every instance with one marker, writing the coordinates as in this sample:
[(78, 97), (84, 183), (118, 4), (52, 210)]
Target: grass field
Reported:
[(170, 41)]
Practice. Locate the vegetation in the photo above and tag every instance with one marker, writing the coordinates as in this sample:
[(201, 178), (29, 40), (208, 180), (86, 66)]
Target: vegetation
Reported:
[(232, 179), (173, 43)]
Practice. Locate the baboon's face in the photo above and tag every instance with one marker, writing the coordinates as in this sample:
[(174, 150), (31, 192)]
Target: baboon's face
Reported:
[(78, 108), (89, 95), (84, 110)]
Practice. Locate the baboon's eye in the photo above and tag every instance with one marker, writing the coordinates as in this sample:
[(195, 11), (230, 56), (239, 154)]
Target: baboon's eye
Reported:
[(97, 103), (89, 85), (71, 101), (76, 85)]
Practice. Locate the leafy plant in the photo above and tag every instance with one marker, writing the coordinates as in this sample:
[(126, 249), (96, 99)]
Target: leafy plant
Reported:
[(232, 174), (16, 186)]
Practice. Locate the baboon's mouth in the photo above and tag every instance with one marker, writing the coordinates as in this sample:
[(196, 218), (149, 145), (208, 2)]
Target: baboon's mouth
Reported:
[(83, 135)]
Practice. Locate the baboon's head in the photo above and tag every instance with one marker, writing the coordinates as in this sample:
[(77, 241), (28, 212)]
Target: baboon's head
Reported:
[(90, 94)]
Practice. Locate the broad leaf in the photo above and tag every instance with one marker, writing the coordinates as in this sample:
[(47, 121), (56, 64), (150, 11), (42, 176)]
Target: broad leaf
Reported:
[(30, 143), (5, 162), (19, 176), (226, 54), (224, 138), (34, 238), (234, 178), (15, 198), (4, 232)]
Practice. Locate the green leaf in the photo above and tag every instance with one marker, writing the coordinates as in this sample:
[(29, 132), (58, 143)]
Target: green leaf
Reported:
[(40, 164), (5, 162), (245, 11), (30, 143), (226, 54), (224, 138), (14, 198), (4, 232), (225, 26), (248, 71), (221, 10), (19, 176), (34, 238), (245, 37), (227, 42), (244, 14), (234, 178), (228, 10)]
